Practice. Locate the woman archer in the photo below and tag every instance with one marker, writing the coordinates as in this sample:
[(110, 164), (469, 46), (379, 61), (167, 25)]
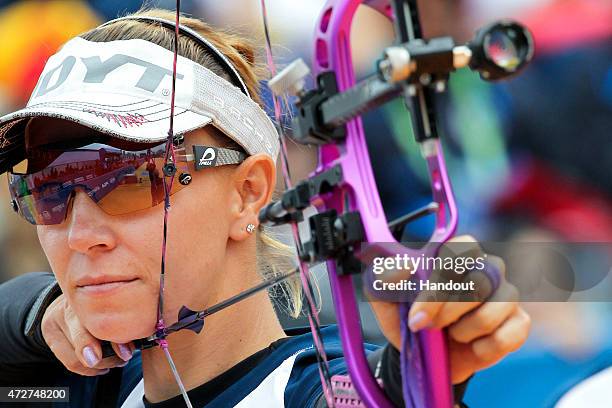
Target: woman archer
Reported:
[(105, 93)]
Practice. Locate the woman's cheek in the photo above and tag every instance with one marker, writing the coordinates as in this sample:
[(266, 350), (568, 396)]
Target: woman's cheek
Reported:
[(55, 249)]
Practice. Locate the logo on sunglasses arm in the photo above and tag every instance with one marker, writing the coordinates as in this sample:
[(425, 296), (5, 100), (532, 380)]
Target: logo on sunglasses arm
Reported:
[(204, 156)]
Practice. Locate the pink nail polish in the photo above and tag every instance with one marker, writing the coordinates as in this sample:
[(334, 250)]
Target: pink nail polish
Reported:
[(419, 321), (90, 357), (124, 352)]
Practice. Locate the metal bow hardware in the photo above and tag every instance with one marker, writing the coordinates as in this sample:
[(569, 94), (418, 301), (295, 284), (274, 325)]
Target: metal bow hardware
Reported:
[(343, 188)]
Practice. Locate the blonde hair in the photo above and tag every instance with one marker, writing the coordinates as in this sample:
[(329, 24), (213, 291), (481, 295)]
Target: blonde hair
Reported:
[(273, 257)]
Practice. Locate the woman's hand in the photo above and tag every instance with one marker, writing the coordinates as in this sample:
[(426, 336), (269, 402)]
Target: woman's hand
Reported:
[(74, 346), (479, 333)]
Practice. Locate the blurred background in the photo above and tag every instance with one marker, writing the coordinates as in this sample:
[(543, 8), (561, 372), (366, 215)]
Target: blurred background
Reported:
[(530, 159)]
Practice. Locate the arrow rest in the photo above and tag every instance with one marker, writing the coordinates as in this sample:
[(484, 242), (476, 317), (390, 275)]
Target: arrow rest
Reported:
[(308, 124), (334, 237)]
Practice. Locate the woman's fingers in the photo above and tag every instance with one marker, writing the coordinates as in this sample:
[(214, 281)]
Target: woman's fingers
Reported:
[(463, 361), (451, 312), (88, 348), (426, 313), (123, 351), (488, 317), (422, 313), (467, 358), (506, 339), (442, 313), (436, 308), (72, 344), (61, 346)]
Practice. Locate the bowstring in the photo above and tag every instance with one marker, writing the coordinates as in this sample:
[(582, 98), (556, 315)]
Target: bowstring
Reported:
[(305, 276), (169, 160)]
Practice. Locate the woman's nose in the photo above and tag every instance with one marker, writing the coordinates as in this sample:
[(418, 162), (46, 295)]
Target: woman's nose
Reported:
[(88, 229)]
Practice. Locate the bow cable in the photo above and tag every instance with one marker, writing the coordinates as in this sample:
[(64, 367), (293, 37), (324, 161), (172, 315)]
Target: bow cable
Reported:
[(305, 276)]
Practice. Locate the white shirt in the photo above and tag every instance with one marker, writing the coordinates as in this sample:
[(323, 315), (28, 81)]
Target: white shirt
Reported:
[(594, 392), (270, 393)]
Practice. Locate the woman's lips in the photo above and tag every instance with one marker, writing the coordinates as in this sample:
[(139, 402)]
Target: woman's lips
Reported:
[(105, 288)]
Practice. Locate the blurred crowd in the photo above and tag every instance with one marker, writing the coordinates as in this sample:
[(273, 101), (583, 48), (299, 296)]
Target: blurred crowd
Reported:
[(530, 159)]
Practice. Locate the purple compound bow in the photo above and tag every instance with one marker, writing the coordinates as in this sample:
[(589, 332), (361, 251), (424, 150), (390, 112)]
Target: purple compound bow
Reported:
[(343, 188)]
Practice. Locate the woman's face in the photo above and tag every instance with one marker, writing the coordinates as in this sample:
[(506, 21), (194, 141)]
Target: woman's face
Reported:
[(109, 266)]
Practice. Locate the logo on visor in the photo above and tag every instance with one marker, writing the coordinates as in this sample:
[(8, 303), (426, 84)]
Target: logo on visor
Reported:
[(97, 70), (204, 156)]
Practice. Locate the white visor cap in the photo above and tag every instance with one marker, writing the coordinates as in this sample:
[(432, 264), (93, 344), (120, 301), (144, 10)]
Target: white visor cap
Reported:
[(123, 88)]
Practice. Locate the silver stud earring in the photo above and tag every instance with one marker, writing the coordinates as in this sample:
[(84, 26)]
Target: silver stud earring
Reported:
[(250, 228)]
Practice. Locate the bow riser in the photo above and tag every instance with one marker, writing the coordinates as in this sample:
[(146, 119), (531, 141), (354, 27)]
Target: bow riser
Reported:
[(333, 53)]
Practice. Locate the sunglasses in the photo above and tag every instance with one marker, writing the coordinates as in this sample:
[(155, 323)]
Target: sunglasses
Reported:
[(118, 179)]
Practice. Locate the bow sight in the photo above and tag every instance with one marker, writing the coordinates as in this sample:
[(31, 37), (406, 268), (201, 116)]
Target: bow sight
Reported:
[(343, 187), (498, 51)]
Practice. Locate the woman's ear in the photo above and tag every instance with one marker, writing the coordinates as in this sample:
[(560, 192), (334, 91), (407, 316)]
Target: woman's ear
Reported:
[(254, 182)]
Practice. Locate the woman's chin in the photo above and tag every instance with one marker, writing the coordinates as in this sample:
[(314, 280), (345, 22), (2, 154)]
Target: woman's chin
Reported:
[(120, 327)]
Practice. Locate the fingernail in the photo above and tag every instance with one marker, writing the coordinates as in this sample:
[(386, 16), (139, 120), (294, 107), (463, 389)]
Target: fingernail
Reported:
[(104, 372), (90, 357), (122, 364), (418, 321), (124, 352)]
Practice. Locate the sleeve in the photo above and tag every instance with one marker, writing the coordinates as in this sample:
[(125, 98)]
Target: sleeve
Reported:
[(25, 358)]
